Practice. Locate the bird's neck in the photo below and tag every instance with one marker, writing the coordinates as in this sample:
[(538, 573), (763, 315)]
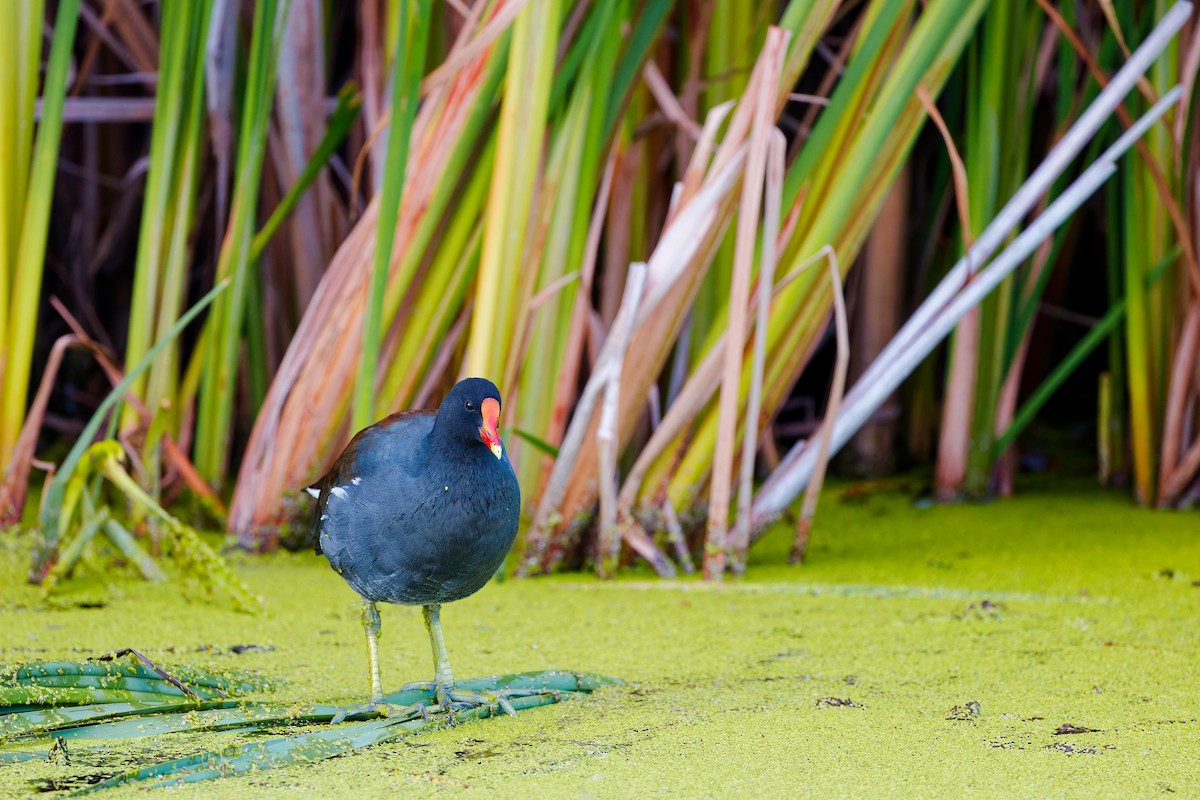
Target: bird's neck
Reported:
[(457, 450)]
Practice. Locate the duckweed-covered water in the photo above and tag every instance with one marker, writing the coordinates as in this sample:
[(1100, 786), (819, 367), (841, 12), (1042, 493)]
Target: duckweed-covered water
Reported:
[(920, 653)]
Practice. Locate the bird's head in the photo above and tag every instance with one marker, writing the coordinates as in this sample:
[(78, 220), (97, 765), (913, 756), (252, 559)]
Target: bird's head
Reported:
[(471, 412)]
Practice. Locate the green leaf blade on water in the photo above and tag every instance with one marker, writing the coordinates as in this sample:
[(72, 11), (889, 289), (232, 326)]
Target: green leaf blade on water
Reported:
[(70, 722), (318, 745)]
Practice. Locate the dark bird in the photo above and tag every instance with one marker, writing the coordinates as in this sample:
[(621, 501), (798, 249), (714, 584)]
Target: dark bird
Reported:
[(421, 509)]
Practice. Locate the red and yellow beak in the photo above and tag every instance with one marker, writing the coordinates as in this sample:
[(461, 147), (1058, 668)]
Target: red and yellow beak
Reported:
[(489, 432)]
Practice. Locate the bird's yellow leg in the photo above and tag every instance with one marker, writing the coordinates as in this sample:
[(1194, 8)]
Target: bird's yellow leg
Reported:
[(375, 703), (442, 675), (372, 625), (448, 696)]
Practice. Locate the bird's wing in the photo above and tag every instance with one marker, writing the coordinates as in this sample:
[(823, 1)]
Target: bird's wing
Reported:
[(345, 466), (319, 490)]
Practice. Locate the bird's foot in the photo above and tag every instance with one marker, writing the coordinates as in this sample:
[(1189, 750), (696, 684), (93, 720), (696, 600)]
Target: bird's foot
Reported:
[(453, 699), (449, 698)]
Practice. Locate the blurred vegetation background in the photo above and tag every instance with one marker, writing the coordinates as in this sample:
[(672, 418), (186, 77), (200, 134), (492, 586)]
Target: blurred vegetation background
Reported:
[(403, 192)]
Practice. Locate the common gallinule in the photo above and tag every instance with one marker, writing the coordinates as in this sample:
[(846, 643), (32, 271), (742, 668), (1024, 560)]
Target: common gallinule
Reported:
[(421, 509)]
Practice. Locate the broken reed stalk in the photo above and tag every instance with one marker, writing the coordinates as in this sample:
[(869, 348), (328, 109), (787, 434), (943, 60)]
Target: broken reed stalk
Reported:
[(678, 247), (764, 83), (691, 398), (682, 409), (843, 171), (836, 391), (954, 297), (671, 108), (700, 214), (606, 434)]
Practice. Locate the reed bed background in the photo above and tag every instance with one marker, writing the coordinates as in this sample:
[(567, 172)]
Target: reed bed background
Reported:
[(671, 231)]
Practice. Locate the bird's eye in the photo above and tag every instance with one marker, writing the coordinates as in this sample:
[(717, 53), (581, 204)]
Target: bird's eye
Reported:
[(470, 406)]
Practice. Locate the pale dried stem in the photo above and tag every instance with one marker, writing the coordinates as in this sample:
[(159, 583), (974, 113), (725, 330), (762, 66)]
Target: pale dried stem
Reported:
[(954, 435), (673, 270), (739, 544), (606, 434), (668, 102), (836, 392), (761, 95), (696, 392), (693, 176), (690, 400), (640, 542), (811, 99), (678, 263), (956, 417), (955, 295)]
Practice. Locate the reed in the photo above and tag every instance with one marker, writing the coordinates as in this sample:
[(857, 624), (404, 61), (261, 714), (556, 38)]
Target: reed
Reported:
[(512, 161), (26, 191)]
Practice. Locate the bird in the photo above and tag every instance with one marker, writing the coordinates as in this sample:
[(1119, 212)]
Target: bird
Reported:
[(421, 508)]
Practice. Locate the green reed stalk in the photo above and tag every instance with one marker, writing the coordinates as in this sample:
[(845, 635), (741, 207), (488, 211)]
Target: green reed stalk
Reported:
[(218, 385), (25, 195), (408, 67), (1151, 318), (168, 217), (531, 64)]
